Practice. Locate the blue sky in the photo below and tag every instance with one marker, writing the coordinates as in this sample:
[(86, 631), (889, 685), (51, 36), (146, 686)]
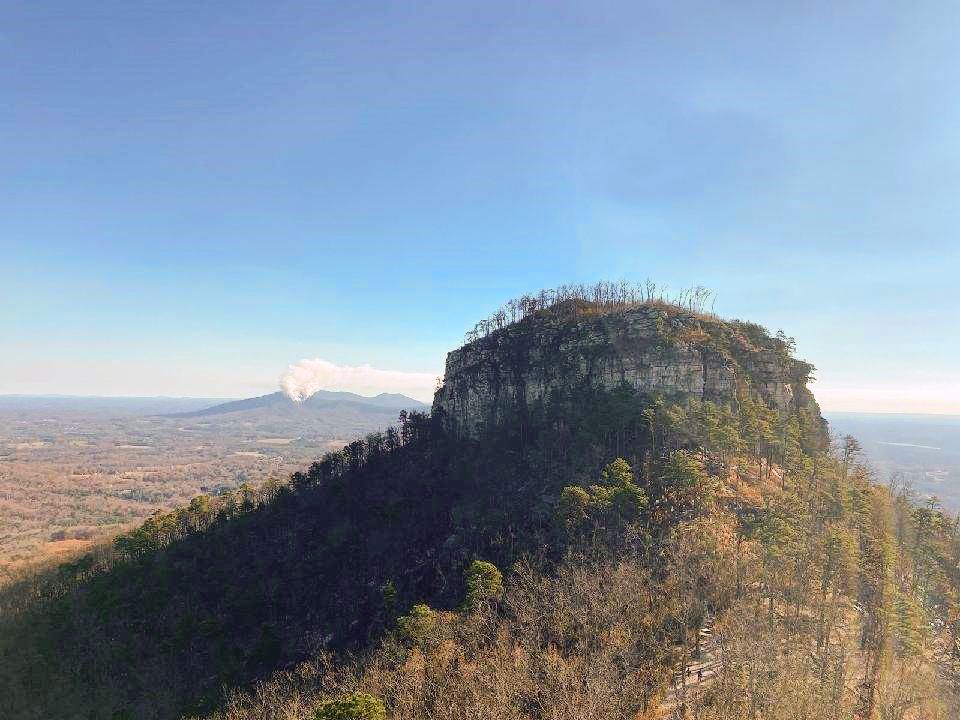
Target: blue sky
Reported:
[(195, 195)]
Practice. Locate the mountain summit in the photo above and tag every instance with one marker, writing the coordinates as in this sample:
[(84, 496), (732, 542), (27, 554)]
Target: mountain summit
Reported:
[(652, 348)]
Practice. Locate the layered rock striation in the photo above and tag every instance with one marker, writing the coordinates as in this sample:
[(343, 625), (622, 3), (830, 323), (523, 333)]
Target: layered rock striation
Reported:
[(655, 348)]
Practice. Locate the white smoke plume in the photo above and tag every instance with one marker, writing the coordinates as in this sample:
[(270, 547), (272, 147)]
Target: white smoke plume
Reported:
[(304, 378)]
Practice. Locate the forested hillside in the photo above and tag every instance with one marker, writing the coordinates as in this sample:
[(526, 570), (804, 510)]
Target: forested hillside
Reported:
[(75, 471), (613, 548)]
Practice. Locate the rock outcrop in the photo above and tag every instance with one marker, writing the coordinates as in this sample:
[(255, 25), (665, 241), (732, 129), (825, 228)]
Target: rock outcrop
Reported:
[(653, 348)]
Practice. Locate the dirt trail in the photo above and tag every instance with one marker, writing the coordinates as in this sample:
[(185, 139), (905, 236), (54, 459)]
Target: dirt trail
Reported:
[(696, 675)]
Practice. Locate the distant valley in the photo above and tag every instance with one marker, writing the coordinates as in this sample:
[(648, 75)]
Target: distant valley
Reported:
[(922, 450), (75, 469)]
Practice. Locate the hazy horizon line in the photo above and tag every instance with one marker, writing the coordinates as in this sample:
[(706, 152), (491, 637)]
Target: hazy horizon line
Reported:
[(79, 396)]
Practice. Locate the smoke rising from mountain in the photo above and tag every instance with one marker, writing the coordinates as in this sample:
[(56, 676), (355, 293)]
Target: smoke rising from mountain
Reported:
[(302, 379)]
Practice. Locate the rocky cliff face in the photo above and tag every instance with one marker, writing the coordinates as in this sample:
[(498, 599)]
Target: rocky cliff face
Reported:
[(656, 349)]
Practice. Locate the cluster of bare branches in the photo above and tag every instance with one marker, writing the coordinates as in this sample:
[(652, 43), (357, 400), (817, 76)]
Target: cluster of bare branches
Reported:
[(605, 295), (587, 643)]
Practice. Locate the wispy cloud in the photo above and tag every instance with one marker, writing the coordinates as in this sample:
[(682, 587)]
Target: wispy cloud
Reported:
[(302, 379)]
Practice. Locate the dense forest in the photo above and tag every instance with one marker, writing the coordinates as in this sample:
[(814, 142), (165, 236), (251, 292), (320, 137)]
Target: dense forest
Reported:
[(609, 554)]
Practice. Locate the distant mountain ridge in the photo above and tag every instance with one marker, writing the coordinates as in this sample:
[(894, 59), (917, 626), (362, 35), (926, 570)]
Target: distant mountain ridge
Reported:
[(321, 400), (104, 406)]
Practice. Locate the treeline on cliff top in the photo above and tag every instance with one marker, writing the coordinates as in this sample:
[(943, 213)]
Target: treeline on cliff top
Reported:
[(607, 532), (573, 301)]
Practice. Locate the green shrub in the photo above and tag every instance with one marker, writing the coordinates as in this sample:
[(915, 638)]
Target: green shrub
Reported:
[(574, 506), (617, 473), (616, 498), (352, 706), (388, 593), (418, 625), (484, 583)]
